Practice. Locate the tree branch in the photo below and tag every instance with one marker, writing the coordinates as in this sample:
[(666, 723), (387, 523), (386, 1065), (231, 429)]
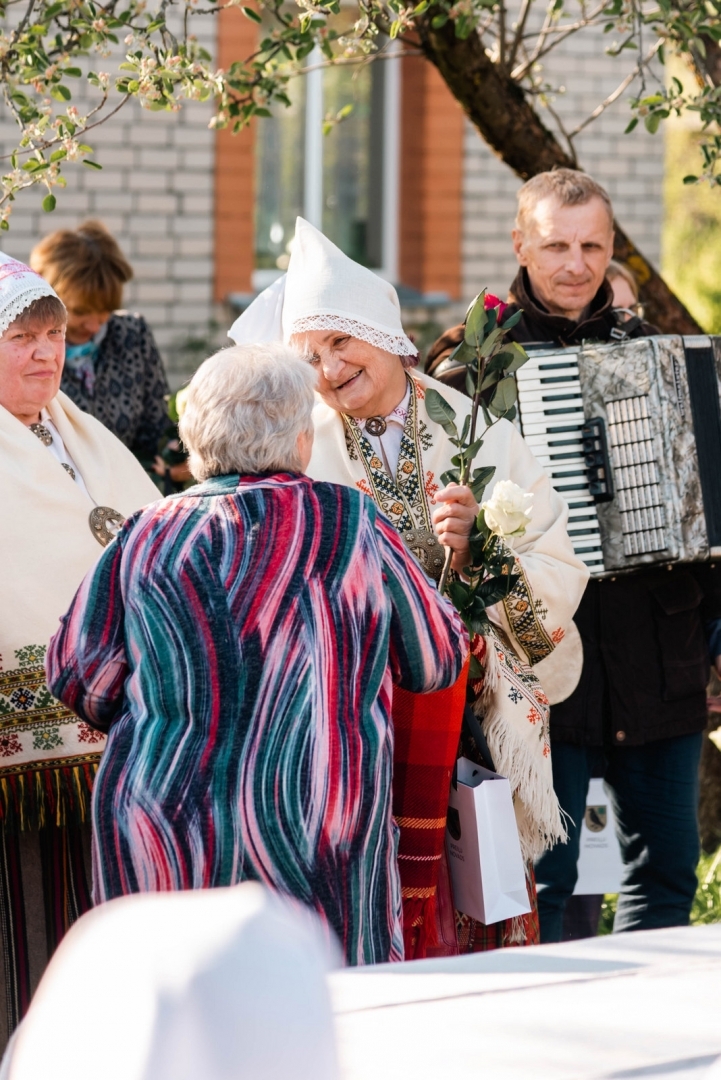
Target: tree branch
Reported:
[(618, 91), (560, 35), (520, 27), (497, 106)]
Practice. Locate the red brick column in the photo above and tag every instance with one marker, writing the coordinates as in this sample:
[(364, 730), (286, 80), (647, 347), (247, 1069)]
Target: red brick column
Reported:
[(431, 181), (234, 172)]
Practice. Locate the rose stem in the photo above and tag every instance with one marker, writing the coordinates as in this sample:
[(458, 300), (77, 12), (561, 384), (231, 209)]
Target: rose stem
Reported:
[(465, 472)]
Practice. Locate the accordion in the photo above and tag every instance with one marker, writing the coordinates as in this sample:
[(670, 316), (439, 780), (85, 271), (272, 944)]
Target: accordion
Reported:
[(630, 435)]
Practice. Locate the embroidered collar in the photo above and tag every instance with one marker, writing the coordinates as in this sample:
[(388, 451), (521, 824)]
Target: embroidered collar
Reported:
[(399, 415), (402, 499)]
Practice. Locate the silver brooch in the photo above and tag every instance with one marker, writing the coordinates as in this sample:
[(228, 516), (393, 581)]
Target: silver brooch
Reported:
[(105, 524), (42, 433), (426, 547)]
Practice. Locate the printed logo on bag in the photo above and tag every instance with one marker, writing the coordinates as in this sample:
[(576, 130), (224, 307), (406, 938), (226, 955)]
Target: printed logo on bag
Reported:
[(596, 818), (453, 822)]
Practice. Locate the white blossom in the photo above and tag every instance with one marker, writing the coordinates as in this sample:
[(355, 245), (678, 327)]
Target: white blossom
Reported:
[(508, 511)]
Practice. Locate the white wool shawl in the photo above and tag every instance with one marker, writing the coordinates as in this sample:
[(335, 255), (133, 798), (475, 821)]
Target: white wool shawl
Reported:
[(47, 548)]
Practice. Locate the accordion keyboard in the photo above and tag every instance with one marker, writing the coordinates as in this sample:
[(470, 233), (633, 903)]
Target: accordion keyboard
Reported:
[(552, 418)]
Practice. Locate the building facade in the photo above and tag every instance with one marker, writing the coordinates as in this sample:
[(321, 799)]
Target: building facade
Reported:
[(404, 183)]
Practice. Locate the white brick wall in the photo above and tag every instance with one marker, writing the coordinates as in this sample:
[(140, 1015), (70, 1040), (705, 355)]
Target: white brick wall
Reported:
[(629, 166), (155, 193)]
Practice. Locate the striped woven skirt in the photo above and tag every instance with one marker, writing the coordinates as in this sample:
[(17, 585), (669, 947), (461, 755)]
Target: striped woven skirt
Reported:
[(44, 888)]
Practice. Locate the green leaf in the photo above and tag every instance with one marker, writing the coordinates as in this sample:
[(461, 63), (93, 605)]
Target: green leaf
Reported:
[(481, 479), (252, 15), (60, 93), (91, 164), (631, 125), (395, 29), (459, 593), (512, 320), (438, 21), (470, 383), (476, 669), (420, 8), (476, 319), (463, 354), (470, 452), (504, 397), (72, 72), (4, 225), (652, 122), (450, 476), (49, 203), (440, 411), (490, 343), (690, 179), (494, 590)]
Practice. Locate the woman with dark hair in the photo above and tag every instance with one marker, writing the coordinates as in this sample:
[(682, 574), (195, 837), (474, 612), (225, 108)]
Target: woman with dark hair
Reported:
[(113, 369)]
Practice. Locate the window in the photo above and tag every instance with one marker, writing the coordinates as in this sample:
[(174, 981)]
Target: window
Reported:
[(346, 182)]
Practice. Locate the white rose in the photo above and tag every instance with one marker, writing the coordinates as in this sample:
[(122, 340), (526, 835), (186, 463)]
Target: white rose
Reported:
[(508, 511)]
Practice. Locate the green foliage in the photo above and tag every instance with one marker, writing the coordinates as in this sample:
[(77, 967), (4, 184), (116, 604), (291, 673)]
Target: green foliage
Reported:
[(707, 901), (692, 224), (488, 360), (47, 44)]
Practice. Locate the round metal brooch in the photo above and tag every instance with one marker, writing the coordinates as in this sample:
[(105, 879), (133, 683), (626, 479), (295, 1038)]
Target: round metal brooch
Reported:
[(425, 546), (105, 524), (375, 425), (42, 433)]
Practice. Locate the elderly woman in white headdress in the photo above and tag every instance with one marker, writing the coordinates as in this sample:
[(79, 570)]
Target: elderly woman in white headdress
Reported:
[(373, 432), (66, 485)]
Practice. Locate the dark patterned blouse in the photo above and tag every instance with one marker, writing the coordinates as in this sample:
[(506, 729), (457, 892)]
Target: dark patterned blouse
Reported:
[(128, 394)]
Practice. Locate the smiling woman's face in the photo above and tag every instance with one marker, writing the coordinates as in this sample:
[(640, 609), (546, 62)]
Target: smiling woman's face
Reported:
[(31, 363), (354, 377)]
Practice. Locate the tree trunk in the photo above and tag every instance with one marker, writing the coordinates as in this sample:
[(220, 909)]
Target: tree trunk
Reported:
[(499, 109)]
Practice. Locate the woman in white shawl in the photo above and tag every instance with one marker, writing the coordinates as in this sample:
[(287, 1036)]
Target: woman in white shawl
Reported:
[(372, 431), (66, 485)]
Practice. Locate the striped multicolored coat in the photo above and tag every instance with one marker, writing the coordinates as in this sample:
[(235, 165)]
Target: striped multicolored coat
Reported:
[(239, 642)]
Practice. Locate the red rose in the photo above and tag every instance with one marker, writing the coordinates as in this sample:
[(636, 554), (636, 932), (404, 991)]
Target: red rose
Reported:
[(492, 301)]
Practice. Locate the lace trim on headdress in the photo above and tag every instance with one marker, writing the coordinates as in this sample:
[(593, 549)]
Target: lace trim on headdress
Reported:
[(392, 343), (16, 307)]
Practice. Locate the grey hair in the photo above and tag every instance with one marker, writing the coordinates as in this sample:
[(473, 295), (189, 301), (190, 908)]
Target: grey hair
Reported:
[(569, 186), (245, 408)]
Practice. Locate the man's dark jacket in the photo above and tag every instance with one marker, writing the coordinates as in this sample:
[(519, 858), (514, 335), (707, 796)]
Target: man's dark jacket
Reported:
[(646, 662)]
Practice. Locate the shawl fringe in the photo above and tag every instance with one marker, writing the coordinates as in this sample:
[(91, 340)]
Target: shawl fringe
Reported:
[(30, 800), (541, 822)]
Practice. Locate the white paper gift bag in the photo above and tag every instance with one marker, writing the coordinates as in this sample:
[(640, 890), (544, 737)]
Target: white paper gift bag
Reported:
[(484, 853), (600, 865)]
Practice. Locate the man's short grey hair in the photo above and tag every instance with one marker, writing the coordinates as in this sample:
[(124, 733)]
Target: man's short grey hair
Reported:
[(569, 186), (244, 410)]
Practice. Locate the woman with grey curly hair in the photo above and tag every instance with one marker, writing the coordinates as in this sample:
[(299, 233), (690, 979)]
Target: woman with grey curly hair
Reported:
[(238, 643)]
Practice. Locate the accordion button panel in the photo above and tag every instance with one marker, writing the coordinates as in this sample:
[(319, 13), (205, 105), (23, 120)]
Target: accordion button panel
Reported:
[(552, 418)]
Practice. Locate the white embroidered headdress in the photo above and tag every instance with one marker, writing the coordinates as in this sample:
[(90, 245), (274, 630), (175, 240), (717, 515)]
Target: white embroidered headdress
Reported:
[(19, 286), (325, 290)]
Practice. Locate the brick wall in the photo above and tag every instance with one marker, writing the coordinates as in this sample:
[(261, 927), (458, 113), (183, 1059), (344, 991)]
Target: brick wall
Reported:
[(159, 190), (629, 166), (155, 193), (234, 173), (431, 203)]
